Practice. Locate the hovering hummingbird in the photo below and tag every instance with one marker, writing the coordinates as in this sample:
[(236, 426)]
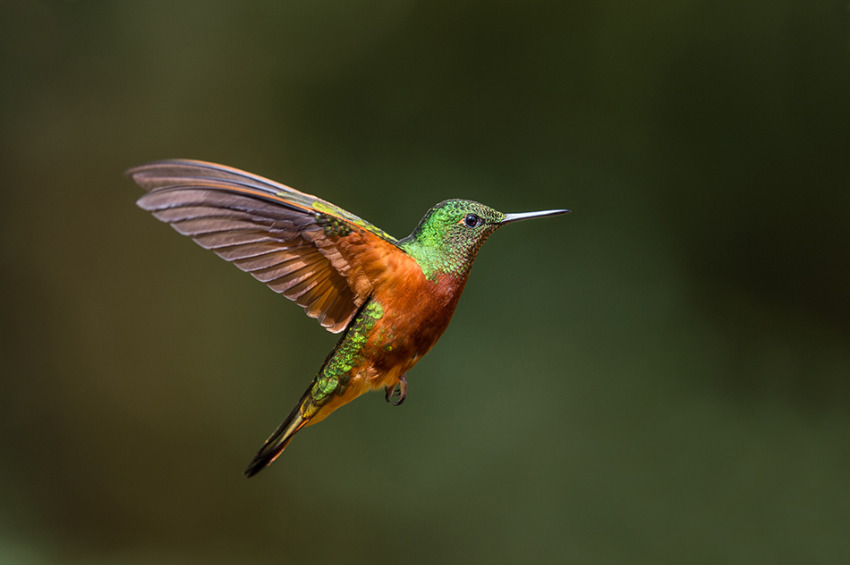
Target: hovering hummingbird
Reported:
[(390, 298)]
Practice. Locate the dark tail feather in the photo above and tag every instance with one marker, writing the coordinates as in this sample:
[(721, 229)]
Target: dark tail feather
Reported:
[(278, 441)]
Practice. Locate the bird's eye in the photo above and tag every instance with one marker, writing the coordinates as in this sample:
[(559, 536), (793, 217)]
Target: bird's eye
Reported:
[(471, 220)]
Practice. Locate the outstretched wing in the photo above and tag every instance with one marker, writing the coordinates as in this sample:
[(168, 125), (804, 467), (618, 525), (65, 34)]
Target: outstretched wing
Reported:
[(325, 259)]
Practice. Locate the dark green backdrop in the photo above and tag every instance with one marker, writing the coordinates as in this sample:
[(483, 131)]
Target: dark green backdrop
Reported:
[(661, 377)]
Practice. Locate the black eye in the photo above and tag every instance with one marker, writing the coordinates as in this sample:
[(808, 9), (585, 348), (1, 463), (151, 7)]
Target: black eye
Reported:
[(471, 220)]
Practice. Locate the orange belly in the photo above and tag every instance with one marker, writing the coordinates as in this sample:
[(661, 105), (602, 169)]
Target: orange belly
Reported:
[(415, 315)]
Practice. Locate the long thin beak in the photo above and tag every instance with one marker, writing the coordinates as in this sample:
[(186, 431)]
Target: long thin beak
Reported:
[(526, 215)]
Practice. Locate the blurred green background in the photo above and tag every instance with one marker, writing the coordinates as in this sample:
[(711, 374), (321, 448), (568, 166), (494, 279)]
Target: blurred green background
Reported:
[(661, 377)]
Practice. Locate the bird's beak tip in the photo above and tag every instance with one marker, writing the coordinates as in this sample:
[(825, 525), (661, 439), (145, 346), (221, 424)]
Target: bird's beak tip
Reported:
[(509, 218)]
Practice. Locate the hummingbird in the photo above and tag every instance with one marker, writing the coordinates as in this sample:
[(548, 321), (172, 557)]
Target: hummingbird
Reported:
[(390, 299)]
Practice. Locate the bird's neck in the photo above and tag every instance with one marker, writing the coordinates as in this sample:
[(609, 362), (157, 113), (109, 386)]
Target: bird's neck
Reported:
[(434, 260)]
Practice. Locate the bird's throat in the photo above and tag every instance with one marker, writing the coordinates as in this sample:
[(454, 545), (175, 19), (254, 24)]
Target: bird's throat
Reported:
[(438, 260)]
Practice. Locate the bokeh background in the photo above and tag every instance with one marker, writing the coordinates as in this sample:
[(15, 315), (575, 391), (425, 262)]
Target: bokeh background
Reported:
[(661, 377)]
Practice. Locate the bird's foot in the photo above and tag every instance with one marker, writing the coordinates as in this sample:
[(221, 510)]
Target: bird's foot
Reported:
[(395, 395)]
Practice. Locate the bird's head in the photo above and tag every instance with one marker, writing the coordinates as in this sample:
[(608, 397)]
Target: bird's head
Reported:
[(450, 234)]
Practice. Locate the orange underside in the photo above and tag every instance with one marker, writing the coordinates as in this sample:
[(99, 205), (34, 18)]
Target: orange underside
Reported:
[(416, 313)]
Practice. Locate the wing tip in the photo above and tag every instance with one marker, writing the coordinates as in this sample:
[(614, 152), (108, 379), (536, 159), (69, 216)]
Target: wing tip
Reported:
[(149, 165)]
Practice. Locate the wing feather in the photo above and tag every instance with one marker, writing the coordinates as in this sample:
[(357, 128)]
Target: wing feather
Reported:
[(325, 259)]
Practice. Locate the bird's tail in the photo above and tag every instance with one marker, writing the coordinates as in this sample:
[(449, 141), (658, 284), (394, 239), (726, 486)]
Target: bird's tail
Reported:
[(278, 441)]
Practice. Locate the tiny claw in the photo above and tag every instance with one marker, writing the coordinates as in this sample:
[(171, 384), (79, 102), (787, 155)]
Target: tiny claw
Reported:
[(399, 390)]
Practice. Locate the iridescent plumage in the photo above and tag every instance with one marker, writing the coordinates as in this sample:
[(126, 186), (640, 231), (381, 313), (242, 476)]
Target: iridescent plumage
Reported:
[(391, 298)]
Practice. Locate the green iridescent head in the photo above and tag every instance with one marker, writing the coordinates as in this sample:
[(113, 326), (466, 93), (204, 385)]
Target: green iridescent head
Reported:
[(451, 233)]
